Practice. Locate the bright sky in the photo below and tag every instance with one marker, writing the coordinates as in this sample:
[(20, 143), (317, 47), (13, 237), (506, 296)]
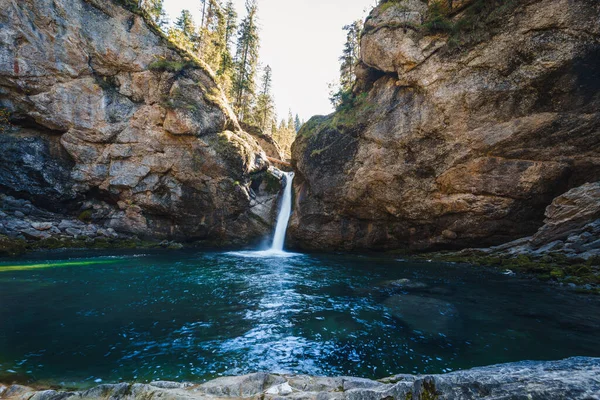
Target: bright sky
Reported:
[(301, 40)]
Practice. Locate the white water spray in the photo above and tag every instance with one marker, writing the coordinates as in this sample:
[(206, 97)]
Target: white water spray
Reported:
[(283, 219), (284, 214)]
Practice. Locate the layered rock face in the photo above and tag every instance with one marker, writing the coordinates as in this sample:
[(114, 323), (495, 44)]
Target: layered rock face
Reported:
[(573, 378), (447, 145), (107, 113), (571, 227)]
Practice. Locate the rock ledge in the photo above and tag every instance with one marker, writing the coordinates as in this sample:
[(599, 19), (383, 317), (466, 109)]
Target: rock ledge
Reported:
[(572, 378)]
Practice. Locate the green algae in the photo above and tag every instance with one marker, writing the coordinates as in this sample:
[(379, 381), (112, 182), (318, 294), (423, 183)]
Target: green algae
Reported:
[(550, 267), (28, 267)]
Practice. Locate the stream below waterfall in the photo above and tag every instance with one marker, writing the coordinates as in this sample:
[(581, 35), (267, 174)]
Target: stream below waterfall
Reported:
[(78, 318)]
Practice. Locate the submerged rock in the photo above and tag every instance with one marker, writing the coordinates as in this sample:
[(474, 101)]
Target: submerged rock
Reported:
[(574, 378), (425, 314)]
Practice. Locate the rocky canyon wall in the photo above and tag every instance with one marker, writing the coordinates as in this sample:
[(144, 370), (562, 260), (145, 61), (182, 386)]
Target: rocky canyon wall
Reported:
[(454, 139), (107, 116)]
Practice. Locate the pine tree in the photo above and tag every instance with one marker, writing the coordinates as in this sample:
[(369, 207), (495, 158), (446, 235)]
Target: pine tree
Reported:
[(202, 19), (290, 121), (285, 133), (230, 23), (350, 55), (265, 106), (183, 33), (342, 93), (185, 23), (213, 42), (245, 63), (297, 123), (155, 8)]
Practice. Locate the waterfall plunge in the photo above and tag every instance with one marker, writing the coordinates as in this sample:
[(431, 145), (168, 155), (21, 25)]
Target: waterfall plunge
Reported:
[(283, 218), (284, 214)]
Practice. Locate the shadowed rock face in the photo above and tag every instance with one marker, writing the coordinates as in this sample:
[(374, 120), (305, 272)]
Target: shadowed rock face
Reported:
[(573, 378), (571, 227), (449, 149), (105, 110)]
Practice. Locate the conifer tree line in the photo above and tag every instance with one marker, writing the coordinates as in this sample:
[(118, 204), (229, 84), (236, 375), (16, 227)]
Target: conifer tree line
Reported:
[(231, 48), (341, 92)]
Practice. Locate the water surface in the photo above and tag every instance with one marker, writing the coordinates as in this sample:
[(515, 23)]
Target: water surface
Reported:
[(75, 318)]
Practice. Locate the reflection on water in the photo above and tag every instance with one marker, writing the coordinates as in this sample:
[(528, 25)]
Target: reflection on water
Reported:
[(190, 316)]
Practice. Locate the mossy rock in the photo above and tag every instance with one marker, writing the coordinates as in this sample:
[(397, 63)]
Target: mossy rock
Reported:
[(10, 247), (85, 216)]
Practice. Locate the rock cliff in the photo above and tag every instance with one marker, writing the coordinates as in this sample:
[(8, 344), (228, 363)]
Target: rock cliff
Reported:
[(571, 227), (107, 116), (573, 378), (462, 131)]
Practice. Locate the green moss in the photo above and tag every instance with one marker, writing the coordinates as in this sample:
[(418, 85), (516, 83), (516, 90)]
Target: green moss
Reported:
[(163, 64), (85, 216), (438, 20), (273, 184), (557, 273), (349, 116), (477, 23), (12, 247), (5, 124), (429, 391), (555, 266)]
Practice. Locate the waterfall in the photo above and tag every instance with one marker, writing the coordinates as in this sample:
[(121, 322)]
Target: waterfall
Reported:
[(284, 214)]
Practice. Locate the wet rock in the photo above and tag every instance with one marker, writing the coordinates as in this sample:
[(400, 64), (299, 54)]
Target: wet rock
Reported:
[(19, 214), (424, 314), (405, 284)]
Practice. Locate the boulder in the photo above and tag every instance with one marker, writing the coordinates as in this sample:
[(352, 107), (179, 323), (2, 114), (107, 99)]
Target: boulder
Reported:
[(42, 226), (569, 213)]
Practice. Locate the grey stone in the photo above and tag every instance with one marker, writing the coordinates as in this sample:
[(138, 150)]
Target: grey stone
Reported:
[(34, 234), (19, 214), (42, 226), (64, 224), (73, 231), (15, 224), (573, 378)]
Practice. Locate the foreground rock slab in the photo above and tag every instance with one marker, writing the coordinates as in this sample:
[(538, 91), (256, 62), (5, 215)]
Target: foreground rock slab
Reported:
[(572, 378)]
